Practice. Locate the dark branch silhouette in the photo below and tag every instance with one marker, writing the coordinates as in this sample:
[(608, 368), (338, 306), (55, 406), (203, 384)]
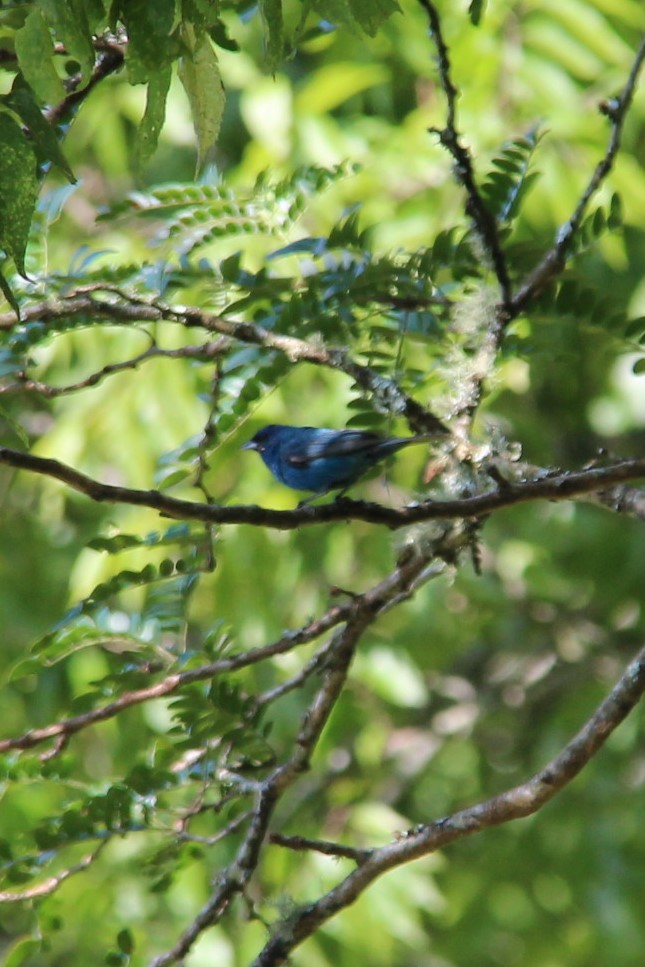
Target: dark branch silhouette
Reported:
[(549, 485), (463, 166)]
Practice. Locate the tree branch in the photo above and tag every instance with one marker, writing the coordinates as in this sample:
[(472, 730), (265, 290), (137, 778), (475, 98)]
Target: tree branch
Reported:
[(110, 59), (549, 485), (206, 352), (49, 886), (554, 261), (516, 803), (450, 138), (127, 308), (303, 843), (622, 500), (376, 600), (234, 878)]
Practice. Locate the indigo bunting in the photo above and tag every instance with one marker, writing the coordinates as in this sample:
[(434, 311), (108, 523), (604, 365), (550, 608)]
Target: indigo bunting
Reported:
[(311, 458)]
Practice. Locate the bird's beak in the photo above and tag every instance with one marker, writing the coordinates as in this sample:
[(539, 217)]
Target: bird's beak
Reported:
[(249, 445)]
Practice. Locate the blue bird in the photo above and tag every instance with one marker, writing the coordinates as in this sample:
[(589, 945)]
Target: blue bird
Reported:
[(320, 460)]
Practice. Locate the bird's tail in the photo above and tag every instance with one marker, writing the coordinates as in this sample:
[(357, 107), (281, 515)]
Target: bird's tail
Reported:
[(393, 444)]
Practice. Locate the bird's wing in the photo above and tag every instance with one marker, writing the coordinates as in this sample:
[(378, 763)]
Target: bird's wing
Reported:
[(333, 443)]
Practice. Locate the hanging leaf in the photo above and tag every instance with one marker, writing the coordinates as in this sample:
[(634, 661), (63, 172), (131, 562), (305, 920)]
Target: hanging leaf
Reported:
[(18, 191), (200, 76), (154, 115), (35, 52)]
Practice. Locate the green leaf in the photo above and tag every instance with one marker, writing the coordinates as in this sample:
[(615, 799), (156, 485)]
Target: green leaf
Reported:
[(168, 478), (200, 76), (271, 11), (7, 292), (476, 11), (43, 136), (69, 22), (615, 217), (18, 190), (114, 958), (151, 44), (154, 115), (96, 14), (509, 181), (372, 14), (599, 222), (125, 941), (635, 327), (17, 428), (176, 534), (219, 35), (35, 51), (22, 951), (369, 15), (639, 366)]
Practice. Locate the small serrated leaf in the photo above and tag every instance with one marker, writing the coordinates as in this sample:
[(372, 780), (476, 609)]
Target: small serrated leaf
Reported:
[(153, 116), (18, 191), (43, 136), (199, 73)]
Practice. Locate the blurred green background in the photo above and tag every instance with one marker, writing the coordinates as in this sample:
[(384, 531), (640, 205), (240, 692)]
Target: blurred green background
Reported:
[(475, 683)]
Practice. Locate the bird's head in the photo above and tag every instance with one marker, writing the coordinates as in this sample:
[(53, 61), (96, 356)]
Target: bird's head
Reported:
[(262, 438)]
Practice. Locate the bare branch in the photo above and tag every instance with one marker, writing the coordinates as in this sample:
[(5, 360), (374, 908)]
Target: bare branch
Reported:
[(554, 261), (208, 351), (128, 308), (516, 803), (547, 485), (622, 500), (222, 834), (49, 886), (303, 843), (110, 60), (296, 681), (450, 138)]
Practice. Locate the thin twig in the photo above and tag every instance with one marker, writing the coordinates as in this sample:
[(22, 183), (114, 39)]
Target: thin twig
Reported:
[(303, 843), (451, 140), (25, 384), (49, 886), (110, 59), (555, 259), (296, 681), (127, 308)]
